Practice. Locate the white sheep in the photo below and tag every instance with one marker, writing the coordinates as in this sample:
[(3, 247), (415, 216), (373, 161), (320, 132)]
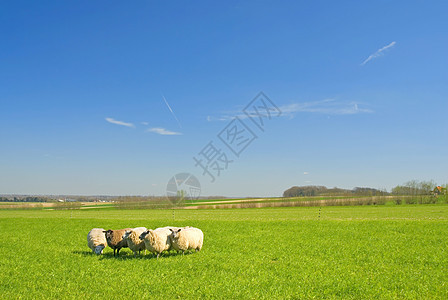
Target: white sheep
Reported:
[(158, 240), (184, 239), (96, 240), (132, 237)]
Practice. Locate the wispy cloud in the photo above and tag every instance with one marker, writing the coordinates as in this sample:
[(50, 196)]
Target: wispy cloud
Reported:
[(162, 131), (158, 130), (113, 121), (326, 106), (225, 117), (378, 52)]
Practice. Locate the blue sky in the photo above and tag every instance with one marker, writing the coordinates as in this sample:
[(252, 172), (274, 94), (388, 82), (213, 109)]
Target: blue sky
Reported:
[(362, 87)]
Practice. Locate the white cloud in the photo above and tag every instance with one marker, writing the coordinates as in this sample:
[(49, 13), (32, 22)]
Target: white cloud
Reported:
[(305, 173), (162, 131), (378, 52), (326, 106), (144, 123), (229, 116), (225, 118), (113, 121)]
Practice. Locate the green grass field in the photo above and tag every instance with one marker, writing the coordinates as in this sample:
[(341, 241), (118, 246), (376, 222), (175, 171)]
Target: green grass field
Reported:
[(360, 252)]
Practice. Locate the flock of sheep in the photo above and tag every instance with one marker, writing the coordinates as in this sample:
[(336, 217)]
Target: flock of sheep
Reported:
[(140, 238)]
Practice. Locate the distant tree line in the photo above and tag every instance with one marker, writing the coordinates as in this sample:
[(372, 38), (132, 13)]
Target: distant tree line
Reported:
[(413, 187), (55, 198), (314, 190), (300, 191), (23, 199)]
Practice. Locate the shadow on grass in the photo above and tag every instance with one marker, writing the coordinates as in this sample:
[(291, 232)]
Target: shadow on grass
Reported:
[(168, 254), (130, 255), (84, 253)]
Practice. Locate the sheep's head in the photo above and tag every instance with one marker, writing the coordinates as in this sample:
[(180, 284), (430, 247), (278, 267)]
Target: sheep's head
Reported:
[(99, 249), (108, 234), (126, 234), (143, 235), (175, 233)]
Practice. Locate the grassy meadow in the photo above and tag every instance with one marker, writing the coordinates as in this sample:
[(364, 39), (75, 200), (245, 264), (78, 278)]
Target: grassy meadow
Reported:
[(357, 252)]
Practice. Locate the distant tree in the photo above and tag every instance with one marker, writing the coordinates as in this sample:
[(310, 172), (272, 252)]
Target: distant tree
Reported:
[(365, 191), (302, 191), (415, 187), (312, 190)]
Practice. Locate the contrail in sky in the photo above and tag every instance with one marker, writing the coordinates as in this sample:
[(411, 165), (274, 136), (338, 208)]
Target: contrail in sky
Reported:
[(378, 52), (172, 112)]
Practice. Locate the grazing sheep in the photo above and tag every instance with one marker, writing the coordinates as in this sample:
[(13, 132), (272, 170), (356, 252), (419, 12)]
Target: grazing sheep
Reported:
[(186, 239), (157, 240), (96, 240), (133, 240), (115, 239)]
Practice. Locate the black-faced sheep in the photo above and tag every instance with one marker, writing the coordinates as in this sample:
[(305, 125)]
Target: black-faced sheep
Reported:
[(115, 239)]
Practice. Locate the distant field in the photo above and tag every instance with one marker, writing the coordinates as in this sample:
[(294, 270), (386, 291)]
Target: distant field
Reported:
[(49, 205), (161, 202), (295, 201), (8, 203), (359, 252)]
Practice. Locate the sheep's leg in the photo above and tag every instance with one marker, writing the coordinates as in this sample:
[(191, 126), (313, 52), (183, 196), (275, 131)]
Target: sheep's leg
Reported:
[(158, 255), (114, 251), (118, 252)]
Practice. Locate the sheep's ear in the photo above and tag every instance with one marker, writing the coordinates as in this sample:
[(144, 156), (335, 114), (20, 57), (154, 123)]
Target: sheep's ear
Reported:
[(104, 231), (171, 230), (179, 229)]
